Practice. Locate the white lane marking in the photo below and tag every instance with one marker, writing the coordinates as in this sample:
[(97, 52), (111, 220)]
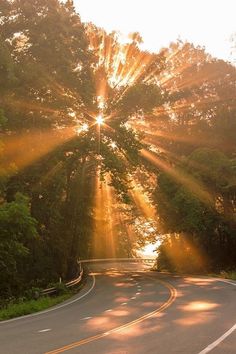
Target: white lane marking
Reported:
[(54, 308), (218, 341), (138, 293), (108, 310), (44, 330), (124, 303), (86, 318), (228, 282), (134, 297)]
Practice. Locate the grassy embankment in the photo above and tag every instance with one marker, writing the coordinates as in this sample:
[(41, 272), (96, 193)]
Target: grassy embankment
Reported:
[(228, 275), (22, 306), (223, 274), (30, 306)]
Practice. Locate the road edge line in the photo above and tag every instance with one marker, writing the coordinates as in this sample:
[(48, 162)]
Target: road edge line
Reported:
[(57, 307), (214, 344)]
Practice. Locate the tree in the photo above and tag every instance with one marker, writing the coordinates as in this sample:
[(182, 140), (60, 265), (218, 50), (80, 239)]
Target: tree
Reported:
[(57, 76), (210, 227), (17, 231)]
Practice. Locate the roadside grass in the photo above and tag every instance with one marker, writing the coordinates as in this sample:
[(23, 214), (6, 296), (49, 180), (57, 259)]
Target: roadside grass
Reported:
[(228, 275), (223, 274), (31, 306), (27, 305)]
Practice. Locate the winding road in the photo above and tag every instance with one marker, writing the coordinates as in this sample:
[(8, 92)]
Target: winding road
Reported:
[(128, 309)]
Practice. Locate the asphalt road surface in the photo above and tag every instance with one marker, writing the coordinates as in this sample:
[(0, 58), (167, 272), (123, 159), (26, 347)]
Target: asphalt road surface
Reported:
[(127, 309)]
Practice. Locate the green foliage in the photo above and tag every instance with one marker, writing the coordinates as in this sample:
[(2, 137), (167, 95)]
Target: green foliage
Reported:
[(141, 97), (50, 79), (61, 288), (228, 275), (3, 119), (210, 227), (17, 231), (212, 167), (40, 64), (188, 213), (26, 307), (32, 294), (179, 253)]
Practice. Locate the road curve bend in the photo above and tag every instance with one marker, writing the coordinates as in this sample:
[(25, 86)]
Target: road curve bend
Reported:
[(125, 309)]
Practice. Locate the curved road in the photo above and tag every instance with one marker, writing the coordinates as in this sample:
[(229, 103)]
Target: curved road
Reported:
[(127, 309)]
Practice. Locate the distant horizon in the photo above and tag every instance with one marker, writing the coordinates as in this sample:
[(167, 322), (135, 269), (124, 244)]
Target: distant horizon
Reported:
[(204, 23)]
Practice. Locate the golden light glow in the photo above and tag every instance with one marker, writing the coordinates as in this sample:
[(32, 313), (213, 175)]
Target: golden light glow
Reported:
[(179, 250), (85, 127), (104, 238), (149, 250), (186, 180), (141, 201), (100, 120), (24, 149), (82, 129), (199, 306), (126, 15), (119, 66), (113, 145), (113, 236)]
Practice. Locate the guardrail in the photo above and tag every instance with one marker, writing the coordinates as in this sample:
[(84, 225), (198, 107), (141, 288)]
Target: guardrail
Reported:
[(77, 280), (69, 284)]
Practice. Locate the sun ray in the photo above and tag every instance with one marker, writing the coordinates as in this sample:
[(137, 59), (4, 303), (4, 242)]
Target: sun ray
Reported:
[(182, 177), (104, 237), (141, 201), (24, 149)]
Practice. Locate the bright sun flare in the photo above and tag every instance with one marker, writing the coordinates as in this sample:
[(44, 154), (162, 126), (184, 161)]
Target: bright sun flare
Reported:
[(149, 250), (99, 120)]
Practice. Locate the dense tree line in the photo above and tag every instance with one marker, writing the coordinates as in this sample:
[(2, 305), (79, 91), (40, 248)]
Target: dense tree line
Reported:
[(201, 222), (196, 197), (56, 76), (42, 43), (48, 91)]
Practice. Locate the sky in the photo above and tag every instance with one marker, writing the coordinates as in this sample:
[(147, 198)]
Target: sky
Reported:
[(208, 23)]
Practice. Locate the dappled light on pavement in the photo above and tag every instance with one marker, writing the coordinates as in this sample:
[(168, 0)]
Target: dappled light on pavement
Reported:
[(199, 306)]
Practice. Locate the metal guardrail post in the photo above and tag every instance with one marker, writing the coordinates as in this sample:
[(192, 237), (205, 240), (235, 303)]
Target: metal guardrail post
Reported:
[(77, 280), (69, 284)]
